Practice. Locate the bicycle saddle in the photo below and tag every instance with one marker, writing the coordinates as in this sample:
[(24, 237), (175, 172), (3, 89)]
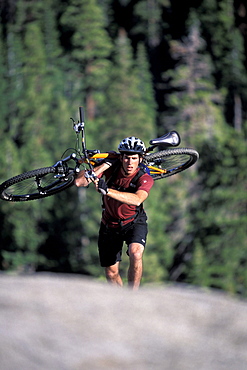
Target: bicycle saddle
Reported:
[(170, 139)]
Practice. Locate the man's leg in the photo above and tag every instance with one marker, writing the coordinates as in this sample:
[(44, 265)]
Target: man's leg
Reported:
[(135, 268), (112, 274)]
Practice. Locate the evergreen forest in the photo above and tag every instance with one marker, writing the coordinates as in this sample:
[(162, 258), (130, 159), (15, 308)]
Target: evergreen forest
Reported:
[(141, 68)]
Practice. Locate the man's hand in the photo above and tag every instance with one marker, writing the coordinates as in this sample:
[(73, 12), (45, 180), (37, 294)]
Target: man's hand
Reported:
[(102, 187), (90, 175), (110, 161)]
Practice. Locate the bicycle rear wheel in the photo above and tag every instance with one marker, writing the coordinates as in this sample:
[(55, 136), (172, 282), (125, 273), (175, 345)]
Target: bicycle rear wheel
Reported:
[(35, 184), (170, 162)]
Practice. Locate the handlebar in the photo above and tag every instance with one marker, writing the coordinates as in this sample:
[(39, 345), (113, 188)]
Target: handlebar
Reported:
[(90, 175), (81, 115), (170, 139)]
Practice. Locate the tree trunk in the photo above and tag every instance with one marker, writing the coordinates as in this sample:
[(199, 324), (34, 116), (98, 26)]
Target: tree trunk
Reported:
[(237, 112)]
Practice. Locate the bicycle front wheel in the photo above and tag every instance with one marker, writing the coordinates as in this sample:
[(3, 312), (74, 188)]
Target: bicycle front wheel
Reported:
[(170, 162), (35, 184)]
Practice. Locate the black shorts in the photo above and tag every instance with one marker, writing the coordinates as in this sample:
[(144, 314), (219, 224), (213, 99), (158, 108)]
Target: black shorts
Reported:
[(110, 242)]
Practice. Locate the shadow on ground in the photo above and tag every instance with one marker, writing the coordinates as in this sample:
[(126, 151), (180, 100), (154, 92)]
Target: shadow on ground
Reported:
[(70, 322)]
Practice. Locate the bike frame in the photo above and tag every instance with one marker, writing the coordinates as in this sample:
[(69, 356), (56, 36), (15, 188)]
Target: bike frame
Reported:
[(91, 158), (46, 181), (100, 156)]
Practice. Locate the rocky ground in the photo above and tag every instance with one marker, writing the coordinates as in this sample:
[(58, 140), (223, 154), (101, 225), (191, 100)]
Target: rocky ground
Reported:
[(74, 323)]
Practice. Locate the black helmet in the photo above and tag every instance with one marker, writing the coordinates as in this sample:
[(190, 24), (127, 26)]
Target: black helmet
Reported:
[(132, 144)]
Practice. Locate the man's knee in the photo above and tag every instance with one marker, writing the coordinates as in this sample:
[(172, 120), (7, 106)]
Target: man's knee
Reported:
[(136, 251), (112, 271)]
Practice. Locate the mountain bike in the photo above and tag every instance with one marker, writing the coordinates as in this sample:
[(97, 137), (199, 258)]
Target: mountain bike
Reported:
[(43, 182)]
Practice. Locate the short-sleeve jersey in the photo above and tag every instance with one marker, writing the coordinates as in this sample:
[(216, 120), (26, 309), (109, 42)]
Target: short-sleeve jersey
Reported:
[(114, 210)]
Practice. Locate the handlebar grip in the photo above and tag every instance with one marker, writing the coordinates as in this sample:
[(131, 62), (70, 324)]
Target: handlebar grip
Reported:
[(81, 114)]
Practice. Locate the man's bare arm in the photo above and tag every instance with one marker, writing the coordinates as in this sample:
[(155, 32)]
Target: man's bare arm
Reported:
[(132, 199), (81, 180)]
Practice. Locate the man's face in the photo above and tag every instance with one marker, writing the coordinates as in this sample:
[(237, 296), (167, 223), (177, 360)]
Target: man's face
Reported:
[(130, 163)]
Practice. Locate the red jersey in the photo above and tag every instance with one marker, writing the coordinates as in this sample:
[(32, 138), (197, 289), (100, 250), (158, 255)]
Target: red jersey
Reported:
[(115, 210)]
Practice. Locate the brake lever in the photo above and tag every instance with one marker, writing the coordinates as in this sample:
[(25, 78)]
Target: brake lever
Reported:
[(90, 175)]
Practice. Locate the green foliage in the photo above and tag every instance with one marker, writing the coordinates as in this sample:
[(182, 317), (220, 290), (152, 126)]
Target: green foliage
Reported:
[(3, 86), (228, 52), (90, 48), (194, 106), (150, 20), (128, 101), (219, 217)]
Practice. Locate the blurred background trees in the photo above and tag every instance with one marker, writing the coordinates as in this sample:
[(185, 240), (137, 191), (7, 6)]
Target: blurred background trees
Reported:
[(139, 68)]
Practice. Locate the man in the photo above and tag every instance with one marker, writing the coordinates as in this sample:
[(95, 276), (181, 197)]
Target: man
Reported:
[(126, 187)]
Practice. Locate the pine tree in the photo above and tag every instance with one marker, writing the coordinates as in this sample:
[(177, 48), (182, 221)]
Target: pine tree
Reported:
[(218, 235), (194, 111), (226, 45), (149, 21), (194, 104), (127, 110), (90, 51), (34, 131), (145, 83)]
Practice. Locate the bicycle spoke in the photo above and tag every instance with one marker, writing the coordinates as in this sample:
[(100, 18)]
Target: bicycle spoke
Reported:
[(32, 185), (170, 162), (35, 184)]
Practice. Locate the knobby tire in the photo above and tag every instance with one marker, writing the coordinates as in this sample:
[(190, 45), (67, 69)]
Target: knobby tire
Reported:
[(35, 184), (171, 160), (41, 183)]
